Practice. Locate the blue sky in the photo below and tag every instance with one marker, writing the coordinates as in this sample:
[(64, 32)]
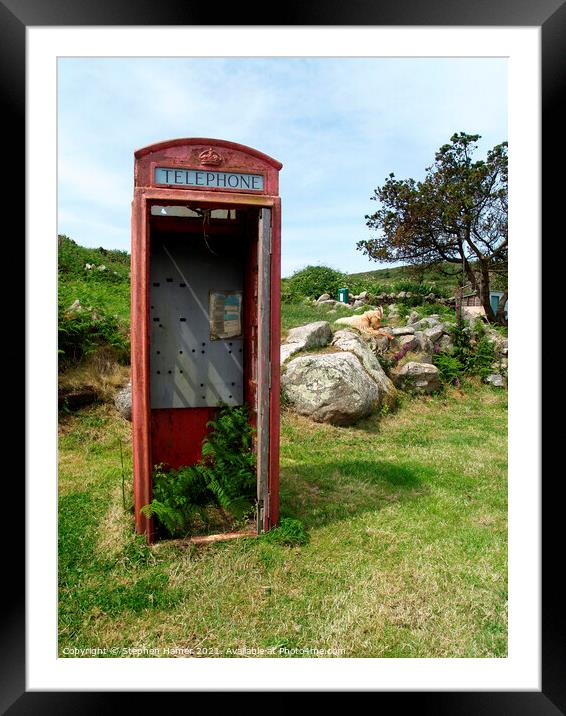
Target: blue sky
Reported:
[(339, 126)]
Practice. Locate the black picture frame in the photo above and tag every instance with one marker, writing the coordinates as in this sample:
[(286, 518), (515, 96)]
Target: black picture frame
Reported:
[(550, 16)]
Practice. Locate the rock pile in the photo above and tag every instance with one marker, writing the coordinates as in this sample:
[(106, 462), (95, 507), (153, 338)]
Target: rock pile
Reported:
[(347, 381), (313, 335)]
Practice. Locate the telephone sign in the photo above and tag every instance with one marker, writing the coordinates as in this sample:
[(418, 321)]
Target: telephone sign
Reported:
[(217, 180)]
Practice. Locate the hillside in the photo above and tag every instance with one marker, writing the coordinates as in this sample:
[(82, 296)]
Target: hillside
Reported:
[(104, 286), (93, 322), (432, 276)]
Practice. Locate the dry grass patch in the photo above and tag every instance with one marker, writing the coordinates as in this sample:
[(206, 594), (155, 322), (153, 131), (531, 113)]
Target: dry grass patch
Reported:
[(115, 527), (99, 372)]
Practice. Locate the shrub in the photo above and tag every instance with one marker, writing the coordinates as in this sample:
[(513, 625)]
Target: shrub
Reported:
[(482, 357), (450, 368), (373, 288), (177, 496), (89, 331), (286, 291), (313, 281), (229, 457), (81, 333), (471, 354)]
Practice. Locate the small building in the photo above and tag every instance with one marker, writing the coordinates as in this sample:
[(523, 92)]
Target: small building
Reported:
[(469, 297), (494, 298)]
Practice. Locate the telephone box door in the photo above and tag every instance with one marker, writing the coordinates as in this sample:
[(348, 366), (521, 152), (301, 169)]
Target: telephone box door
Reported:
[(264, 366)]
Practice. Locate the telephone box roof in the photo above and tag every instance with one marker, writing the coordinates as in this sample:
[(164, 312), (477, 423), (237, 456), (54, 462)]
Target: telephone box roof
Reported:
[(187, 141)]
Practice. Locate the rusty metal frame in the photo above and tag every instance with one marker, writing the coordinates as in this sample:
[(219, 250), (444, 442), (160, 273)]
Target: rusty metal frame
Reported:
[(268, 437)]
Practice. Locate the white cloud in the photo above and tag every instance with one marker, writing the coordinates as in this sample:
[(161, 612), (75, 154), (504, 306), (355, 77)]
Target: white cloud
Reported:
[(338, 125)]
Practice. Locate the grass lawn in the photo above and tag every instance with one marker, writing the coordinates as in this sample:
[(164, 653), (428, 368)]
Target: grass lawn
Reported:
[(297, 314), (407, 516)]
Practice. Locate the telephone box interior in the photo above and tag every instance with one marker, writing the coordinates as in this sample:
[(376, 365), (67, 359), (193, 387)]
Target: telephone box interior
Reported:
[(203, 322)]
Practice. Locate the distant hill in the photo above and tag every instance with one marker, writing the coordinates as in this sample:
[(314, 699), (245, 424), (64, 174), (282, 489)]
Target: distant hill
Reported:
[(432, 276)]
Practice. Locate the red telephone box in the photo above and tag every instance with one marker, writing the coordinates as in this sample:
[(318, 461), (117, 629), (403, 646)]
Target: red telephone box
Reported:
[(205, 313)]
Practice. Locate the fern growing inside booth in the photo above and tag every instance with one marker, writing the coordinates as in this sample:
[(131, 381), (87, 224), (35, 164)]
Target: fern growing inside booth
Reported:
[(216, 492)]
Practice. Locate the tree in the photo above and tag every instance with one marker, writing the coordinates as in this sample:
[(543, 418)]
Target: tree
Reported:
[(456, 215)]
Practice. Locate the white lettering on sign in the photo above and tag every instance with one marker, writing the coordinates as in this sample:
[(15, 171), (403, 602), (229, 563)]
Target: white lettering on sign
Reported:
[(217, 180)]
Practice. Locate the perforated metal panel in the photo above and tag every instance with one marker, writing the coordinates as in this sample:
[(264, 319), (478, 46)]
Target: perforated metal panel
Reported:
[(188, 369)]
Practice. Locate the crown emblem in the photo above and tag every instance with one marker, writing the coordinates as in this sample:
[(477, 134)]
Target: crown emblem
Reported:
[(210, 157)]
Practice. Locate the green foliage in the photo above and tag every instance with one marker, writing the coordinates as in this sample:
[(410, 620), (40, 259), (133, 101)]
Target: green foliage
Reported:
[(225, 475), (385, 409), (102, 319), (289, 531), (450, 368), (421, 289), (357, 285), (73, 260), (171, 518), (472, 354), (313, 281), (482, 358), (177, 495), (441, 276), (446, 313), (109, 298), (287, 295), (229, 457), (137, 553), (82, 332)]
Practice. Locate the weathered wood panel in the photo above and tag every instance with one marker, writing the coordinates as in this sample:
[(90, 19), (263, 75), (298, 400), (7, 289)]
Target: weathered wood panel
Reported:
[(263, 365)]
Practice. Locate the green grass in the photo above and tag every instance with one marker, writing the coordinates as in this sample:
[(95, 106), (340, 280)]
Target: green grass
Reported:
[(297, 314), (72, 260), (112, 298), (406, 553), (406, 556)]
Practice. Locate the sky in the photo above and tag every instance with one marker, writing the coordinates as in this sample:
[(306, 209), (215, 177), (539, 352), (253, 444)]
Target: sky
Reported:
[(340, 126)]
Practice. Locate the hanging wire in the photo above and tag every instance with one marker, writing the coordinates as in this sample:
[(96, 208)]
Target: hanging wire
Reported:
[(205, 213)]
